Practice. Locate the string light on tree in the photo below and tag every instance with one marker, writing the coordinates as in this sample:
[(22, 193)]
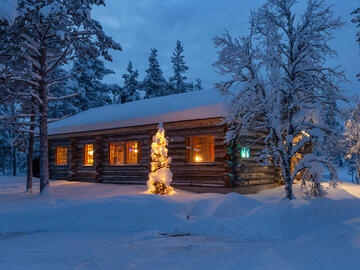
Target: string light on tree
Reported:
[(160, 176)]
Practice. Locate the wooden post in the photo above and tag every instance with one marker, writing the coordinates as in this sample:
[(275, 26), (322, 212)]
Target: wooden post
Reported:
[(99, 158), (73, 159)]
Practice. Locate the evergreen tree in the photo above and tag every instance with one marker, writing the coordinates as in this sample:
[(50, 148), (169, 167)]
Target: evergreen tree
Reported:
[(352, 138), (130, 90), (49, 36), (356, 21), (198, 85), (178, 80), (160, 176), (58, 109), (154, 83), (332, 137), (93, 92)]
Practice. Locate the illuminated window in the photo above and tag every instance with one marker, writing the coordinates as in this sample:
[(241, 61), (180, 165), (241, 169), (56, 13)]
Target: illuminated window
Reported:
[(88, 154), (200, 149), (124, 153), (132, 152), (245, 152), (61, 155)]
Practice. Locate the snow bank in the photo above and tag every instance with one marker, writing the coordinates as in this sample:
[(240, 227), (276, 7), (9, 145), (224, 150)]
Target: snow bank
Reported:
[(189, 106), (104, 226), (88, 206)]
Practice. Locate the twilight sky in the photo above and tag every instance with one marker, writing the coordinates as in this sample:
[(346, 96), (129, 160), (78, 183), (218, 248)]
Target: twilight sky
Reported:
[(139, 25), (143, 24)]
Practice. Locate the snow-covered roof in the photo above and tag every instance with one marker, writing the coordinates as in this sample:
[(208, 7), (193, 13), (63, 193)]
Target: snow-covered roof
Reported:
[(179, 107)]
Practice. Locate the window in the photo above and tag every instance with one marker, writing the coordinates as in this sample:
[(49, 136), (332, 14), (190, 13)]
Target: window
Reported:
[(61, 155), (245, 152), (132, 153), (200, 149), (88, 155), (122, 153)]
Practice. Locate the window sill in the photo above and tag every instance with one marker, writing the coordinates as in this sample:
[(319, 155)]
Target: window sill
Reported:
[(123, 165), (200, 163)]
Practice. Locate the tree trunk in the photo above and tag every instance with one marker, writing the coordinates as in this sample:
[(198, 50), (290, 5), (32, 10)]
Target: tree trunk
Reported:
[(288, 188), (29, 174), (44, 149), (286, 175), (357, 167), (14, 158), (44, 156), (43, 122)]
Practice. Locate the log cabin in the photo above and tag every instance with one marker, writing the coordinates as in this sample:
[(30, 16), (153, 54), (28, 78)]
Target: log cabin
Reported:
[(111, 144)]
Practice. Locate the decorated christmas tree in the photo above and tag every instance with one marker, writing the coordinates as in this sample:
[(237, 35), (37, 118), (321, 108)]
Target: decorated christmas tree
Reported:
[(160, 176)]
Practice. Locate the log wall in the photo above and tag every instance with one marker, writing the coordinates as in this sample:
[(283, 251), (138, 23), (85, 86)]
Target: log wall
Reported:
[(204, 175)]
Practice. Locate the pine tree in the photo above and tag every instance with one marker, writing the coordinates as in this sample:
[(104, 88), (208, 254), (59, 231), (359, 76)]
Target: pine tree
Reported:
[(198, 85), (154, 84), (352, 138), (49, 35), (178, 81), (130, 90), (94, 93), (356, 21), (160, 176), (332, 137)]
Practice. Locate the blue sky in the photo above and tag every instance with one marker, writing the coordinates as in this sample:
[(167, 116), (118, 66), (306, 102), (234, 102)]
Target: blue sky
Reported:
[(143, 24), (139, 25)]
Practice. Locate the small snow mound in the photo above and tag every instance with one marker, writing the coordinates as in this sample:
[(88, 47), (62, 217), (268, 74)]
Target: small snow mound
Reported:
[(235, 205)]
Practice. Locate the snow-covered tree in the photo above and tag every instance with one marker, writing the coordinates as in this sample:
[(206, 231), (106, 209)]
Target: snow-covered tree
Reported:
[(278, 76), (160, 176), (130, 89), (154, 83), (50, 35), (94, 93), (356, 21), (11, 136), (178, 82), (352, 138), (332, 140), (198, 85)]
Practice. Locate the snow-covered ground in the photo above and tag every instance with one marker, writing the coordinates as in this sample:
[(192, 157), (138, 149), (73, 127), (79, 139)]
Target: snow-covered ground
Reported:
[(103, 226)]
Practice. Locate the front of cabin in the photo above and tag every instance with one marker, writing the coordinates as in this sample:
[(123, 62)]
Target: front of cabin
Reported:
[(100, 146)]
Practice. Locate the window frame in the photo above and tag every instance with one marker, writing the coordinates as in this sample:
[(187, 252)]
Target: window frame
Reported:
[(67, 155), (245, 149), (125, 143), (187, 159), (84, 153)]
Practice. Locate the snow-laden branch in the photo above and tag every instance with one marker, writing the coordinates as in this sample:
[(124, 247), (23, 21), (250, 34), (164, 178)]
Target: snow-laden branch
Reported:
[(279, 72), (8, 117), (50, 98), (57, 119)]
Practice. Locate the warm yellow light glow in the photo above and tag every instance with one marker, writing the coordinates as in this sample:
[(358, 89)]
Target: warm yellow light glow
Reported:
[(299, 137), (198, 159), (305, 133), (171, 192), (88, 155), (135, 150)]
